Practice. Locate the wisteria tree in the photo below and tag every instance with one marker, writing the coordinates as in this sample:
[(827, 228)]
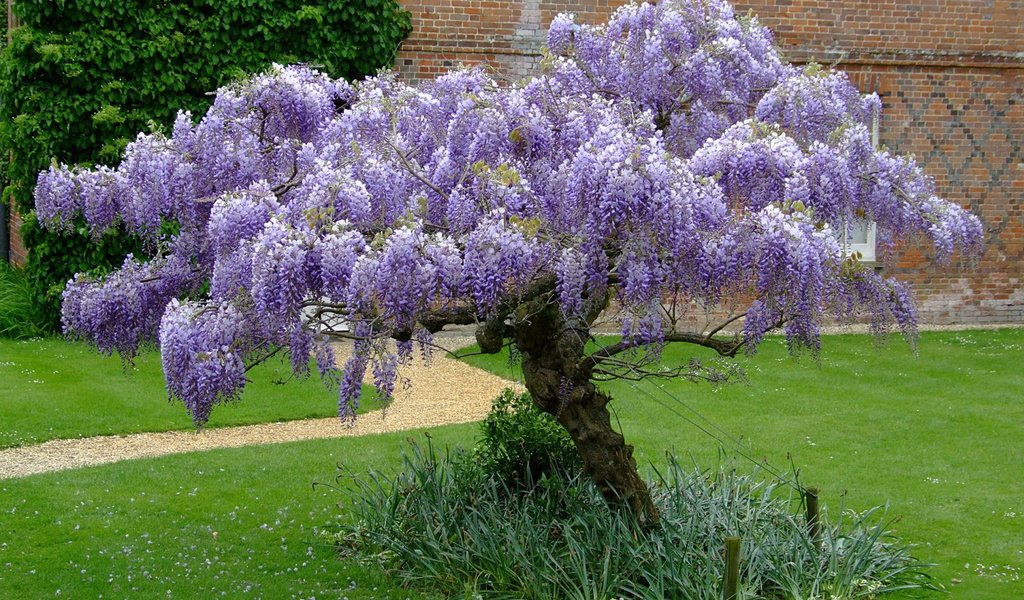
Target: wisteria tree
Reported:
[(663, 170)]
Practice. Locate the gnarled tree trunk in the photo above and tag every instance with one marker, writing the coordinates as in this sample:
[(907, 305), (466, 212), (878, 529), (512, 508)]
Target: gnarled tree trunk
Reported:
[(607, 458), (551, 349)]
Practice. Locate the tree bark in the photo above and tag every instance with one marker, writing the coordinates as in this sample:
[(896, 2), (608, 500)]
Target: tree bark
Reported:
[(607, 458), (551, 348)]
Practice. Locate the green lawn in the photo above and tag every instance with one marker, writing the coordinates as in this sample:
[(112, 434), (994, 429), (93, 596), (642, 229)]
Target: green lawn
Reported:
[(55, 389), (226, 523), (937, 436)]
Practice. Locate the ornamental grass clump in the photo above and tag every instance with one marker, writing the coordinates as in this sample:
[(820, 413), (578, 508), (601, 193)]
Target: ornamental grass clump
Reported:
[(457, 525), (18, 317), (431, 526)]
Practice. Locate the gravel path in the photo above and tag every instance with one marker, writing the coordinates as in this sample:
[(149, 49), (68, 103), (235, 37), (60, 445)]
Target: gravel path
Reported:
[(446, 392)]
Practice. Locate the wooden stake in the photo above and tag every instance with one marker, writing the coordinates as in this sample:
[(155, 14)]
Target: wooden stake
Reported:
[(730, 589), (813, 522)]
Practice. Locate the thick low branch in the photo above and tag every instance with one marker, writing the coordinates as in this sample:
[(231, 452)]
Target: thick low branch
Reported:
[(435, 320), (491, 334), (727, 348), (642, 374)]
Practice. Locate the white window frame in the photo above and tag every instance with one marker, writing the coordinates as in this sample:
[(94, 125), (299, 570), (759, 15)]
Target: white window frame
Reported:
[(866, 248)]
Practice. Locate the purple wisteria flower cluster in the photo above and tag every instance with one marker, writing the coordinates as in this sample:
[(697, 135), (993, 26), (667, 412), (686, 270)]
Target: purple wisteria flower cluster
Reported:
[(668, 156)]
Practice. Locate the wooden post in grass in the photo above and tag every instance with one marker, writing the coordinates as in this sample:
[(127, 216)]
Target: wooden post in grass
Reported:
[(730, 589), (813, 523)]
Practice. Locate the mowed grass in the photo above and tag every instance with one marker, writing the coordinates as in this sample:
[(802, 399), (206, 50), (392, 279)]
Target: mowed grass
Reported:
[(939, 437), (55, 389), (233, 523)]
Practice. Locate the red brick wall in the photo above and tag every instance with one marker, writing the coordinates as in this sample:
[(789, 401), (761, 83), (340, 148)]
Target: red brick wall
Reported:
[(954, 30), (951, 77), (966, 126), (505, 34)]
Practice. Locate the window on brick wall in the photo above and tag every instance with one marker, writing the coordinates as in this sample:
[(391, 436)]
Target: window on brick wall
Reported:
[(860, 237), (859, 234)]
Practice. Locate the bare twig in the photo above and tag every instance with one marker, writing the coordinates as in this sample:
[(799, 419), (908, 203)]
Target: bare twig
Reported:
[(263, 358), (413, 171), (726, 323)]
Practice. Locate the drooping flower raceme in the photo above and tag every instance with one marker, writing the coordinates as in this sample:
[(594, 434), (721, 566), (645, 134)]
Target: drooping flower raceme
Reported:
[(669, 159), (203, 347)]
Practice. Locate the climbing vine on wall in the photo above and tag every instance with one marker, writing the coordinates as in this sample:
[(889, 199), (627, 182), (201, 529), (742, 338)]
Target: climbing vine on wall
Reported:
[(81, 78)]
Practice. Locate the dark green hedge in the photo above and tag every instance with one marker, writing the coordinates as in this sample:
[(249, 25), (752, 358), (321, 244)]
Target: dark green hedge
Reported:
[(82, 77)]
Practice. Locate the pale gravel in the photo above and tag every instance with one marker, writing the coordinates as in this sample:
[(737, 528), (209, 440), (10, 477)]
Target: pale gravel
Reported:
[(445, 392)]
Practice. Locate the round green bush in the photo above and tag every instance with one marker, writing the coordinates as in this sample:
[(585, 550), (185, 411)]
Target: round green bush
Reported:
[(519, 445)]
